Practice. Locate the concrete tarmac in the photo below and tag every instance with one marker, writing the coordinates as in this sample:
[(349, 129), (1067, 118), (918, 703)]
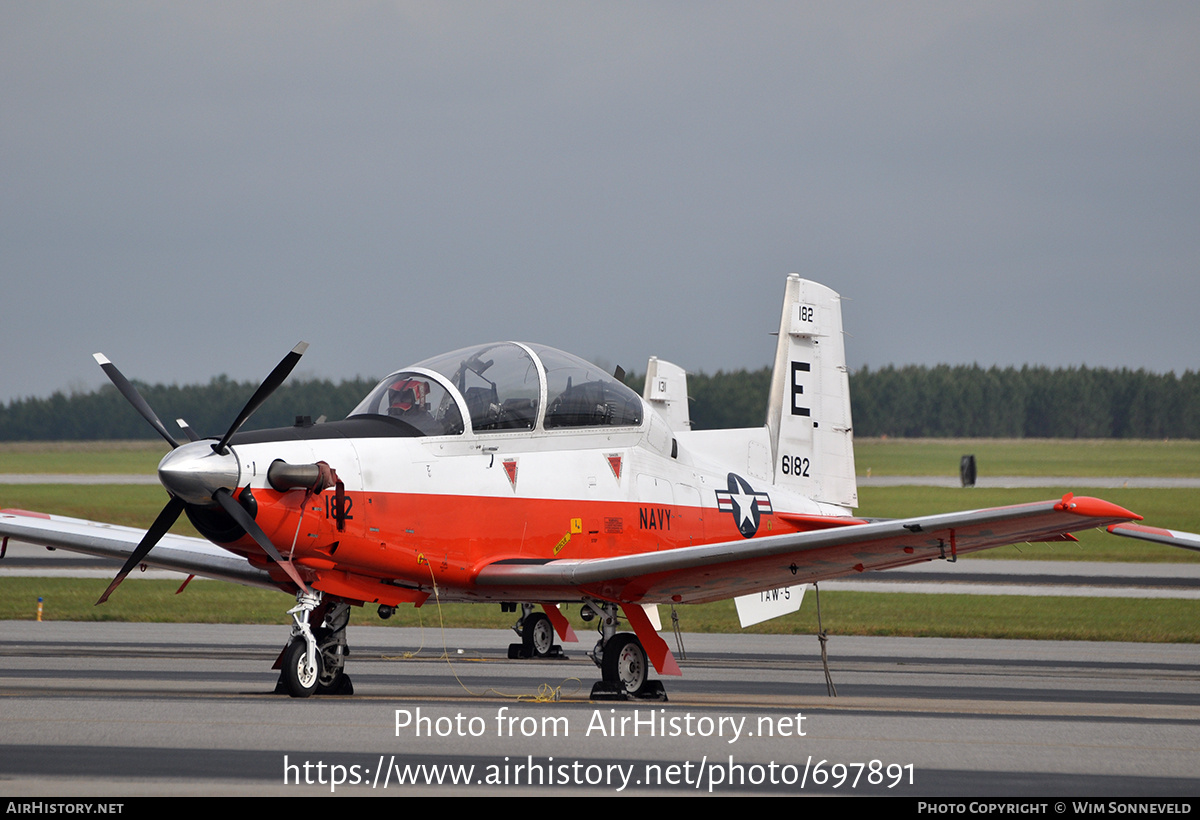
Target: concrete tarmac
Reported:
[(140, 709)]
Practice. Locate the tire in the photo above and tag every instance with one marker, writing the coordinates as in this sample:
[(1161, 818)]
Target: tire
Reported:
[(332, 666), (330, 680), (537, 634), (301, 681), (625, 663)]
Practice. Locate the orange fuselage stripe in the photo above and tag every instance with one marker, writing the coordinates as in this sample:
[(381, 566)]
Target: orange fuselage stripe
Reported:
[(405, 537)]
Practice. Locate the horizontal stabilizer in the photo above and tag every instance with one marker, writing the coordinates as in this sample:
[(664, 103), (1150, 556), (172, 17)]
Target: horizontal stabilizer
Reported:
[(1172, 538)]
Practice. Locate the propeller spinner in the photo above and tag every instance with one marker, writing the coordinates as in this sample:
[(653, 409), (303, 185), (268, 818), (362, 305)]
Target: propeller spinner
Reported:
[(200, 472)]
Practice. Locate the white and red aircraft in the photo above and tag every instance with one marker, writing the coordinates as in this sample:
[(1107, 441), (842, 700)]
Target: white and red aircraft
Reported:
[(514, 472)]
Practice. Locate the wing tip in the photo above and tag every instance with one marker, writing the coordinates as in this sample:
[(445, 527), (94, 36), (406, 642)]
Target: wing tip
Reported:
[(1095, 508)]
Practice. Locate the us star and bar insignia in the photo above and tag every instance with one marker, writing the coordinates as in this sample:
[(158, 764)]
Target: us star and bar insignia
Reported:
[(746, 505)]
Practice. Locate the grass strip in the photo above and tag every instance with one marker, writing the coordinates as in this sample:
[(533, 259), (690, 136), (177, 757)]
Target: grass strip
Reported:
[(131, 505), (843, 613), (1029, 457), (82, 457)]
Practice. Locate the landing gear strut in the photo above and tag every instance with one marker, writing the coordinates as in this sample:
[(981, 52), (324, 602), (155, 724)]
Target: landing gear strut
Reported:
[(624, 667), (537, 636), (315, 659), (332, 646)]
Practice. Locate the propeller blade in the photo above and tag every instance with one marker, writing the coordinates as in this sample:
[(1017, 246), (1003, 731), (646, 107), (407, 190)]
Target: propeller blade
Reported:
[(239, 514), (157, 530), (187, 430), (265, 389), (133, 397)]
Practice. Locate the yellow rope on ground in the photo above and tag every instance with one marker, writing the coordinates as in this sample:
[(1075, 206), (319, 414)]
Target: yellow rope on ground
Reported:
[(546, 693)]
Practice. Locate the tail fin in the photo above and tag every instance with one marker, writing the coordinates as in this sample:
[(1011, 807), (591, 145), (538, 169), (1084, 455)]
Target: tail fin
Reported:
[(666, 390), (808, 416)]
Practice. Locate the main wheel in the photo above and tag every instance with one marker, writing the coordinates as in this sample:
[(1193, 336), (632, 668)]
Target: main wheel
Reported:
[(625, 663), (300, 678), (537, 634)]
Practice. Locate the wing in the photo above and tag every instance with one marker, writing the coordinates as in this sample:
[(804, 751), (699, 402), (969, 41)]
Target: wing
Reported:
[(726, 570), (176, 552), (1172, 538)]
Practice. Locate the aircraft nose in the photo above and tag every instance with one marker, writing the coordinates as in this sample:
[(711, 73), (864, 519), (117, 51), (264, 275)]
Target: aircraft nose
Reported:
[(193, 472)]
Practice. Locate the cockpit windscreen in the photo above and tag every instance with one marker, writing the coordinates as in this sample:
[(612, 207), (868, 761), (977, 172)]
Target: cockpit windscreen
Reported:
[(501, 388), (416, 400)]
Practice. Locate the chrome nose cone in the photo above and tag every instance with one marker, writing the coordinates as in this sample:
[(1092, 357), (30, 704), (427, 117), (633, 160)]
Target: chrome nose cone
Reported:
[(193, 472)]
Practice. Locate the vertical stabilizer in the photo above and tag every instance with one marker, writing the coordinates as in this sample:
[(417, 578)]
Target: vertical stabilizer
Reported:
[(808, 416), (666, 390)]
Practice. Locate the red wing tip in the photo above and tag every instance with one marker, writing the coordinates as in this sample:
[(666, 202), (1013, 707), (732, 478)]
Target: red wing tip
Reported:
[(1095, 507)]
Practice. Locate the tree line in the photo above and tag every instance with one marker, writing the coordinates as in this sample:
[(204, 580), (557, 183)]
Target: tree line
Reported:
[(1030, 402), (914, 401), (208, 409), (968, 401)]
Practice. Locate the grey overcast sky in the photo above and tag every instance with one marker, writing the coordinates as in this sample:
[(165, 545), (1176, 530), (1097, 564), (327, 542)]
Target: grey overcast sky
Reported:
[(192, 188)]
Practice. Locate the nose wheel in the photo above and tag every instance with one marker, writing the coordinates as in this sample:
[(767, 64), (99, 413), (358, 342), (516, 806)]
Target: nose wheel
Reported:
[(314, 660), (301, 676)]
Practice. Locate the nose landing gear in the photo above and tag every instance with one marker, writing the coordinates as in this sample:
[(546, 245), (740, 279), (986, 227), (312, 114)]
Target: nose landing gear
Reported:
[(314, 660)]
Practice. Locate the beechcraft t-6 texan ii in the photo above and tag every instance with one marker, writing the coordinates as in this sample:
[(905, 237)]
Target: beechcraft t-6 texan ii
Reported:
[(518, 474)]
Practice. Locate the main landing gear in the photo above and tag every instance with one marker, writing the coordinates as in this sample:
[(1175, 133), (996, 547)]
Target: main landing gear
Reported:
[(315, 659), (537, 636), (624, 667)]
